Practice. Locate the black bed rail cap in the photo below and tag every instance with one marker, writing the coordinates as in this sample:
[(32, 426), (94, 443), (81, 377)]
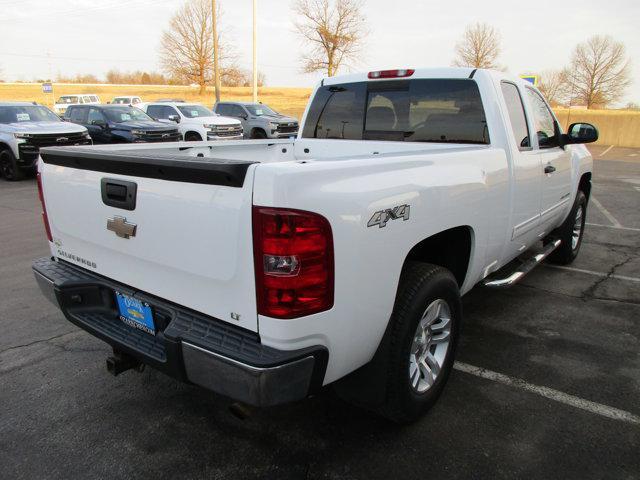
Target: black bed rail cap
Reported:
[(177, 167)]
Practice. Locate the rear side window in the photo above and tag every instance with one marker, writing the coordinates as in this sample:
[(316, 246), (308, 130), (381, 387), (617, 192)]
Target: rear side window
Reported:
[(337, 112), (161, 111), (517, 117), (545, 124), (429, 110)]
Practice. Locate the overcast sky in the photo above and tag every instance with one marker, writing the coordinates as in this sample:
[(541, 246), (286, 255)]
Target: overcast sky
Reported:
[(91, 36)]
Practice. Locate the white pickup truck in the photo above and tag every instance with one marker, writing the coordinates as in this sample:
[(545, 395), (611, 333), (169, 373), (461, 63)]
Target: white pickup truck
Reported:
[(265, 270)]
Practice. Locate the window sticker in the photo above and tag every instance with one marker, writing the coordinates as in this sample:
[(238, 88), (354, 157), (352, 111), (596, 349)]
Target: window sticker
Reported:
[(194, 113), (125, 117), (259, 112), (23, 117)]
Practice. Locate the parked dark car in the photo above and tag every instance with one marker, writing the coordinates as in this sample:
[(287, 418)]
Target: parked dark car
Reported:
[(120, 124)]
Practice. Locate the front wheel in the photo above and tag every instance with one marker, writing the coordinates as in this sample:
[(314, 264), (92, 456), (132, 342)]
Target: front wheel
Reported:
[(571, 232), (8, 166), (424, 332)]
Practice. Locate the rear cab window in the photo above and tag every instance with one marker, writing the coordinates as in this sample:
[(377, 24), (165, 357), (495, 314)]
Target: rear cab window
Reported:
[(421, 110)]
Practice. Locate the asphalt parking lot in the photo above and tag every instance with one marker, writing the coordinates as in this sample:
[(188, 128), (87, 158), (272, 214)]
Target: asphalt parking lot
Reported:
[(547, 384)]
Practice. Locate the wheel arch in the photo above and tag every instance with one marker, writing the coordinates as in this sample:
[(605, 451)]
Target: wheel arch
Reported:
[(449, 248), (192, 132), (584, 184), (257, 129)]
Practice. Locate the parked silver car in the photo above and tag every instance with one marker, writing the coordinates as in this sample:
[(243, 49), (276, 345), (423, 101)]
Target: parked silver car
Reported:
[(258, 120)]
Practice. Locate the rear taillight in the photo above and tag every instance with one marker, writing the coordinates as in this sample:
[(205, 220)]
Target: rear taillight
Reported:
[(293, 254), (45, 219), (402, 73)]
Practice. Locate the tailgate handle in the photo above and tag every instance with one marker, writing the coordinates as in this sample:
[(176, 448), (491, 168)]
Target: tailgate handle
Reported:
[(119, 193)]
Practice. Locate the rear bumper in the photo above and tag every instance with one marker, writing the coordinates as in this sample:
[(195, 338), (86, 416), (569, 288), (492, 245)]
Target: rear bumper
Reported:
[(187, 345)]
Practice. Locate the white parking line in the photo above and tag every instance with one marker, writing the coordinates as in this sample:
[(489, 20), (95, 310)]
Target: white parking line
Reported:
[(591, 272), (613, 226), (610, 147), (550, 393), (606, 212)]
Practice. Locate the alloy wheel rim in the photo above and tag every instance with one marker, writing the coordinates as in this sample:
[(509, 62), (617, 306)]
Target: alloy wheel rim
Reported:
[(430, 346), (577, 229), (5, 168)]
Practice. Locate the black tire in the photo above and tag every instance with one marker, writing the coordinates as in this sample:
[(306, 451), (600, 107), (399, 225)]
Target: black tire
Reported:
[(192, 137), (568, 249), (8, 166), (421, 284), (257, 134)]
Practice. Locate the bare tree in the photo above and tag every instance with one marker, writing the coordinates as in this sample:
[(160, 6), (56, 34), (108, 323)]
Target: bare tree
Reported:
[(186, 48), (553, 84), (333, 30), (479, 47), (599, 71)]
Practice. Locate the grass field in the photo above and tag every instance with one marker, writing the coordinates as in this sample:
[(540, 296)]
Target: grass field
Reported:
[(291, 101)]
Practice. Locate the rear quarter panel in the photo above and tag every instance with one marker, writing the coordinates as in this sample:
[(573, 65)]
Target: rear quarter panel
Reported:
[(444, 190)]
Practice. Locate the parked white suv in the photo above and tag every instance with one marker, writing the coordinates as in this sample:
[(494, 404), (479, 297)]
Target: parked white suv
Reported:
[(196, 122), (64, 101), (24, 128)]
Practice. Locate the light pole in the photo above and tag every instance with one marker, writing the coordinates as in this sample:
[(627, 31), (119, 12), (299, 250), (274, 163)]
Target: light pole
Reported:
[(255, 55), (216, 71)]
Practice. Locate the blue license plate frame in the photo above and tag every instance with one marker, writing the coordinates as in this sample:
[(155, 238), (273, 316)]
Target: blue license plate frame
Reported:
[(135, 313)]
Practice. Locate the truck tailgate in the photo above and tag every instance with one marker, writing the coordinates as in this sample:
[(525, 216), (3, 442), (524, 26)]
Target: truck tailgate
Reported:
[(192, 243)]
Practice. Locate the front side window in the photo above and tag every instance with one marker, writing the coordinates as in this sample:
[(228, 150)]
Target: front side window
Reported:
[(544, 123), (427, 110), (517, 117)]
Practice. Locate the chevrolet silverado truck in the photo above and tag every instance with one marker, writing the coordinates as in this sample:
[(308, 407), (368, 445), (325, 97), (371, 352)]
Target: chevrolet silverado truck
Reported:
[(265, 270), (258, 120), (26, 127)]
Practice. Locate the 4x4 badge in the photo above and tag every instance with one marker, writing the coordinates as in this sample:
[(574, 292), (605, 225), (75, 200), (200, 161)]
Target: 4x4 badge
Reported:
[(121, 227), (381, 217)]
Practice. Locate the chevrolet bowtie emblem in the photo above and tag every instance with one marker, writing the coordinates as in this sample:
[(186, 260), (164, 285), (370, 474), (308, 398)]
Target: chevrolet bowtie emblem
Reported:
[(121, 227)]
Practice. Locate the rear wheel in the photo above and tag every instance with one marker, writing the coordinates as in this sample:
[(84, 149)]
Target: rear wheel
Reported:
[(570, 232), (424, 333), (8, 166), (192, 137)]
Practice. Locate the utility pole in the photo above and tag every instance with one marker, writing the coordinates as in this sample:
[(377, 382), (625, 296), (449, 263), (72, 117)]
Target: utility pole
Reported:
[(216, 66), (255, 55)]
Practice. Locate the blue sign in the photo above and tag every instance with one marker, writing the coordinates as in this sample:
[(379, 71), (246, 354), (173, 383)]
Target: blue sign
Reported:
[(47, 87), (532, 79)]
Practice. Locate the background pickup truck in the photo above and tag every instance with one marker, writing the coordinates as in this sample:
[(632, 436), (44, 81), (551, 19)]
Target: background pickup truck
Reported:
[(267, 269)]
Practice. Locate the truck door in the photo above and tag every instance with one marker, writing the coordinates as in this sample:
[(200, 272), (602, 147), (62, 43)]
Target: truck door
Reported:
[(556, 163), (526, 182)]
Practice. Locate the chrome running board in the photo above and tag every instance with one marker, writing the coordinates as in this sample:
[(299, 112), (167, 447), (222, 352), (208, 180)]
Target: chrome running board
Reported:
[(522, 269)]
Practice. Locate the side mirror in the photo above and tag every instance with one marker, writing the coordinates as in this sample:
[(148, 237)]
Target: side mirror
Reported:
[(580, 133), (244, 116), (99, 123), (174, 118)]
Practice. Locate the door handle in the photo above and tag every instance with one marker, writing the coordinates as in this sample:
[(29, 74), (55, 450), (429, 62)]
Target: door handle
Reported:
[(549, 169)]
